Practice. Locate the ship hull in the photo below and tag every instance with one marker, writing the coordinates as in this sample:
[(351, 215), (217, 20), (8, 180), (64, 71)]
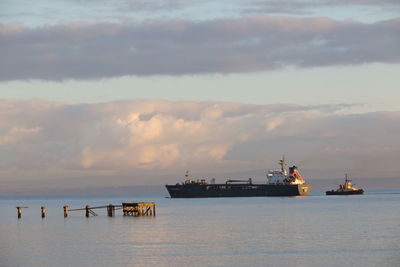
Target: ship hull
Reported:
[(236, 190), (349, 192)]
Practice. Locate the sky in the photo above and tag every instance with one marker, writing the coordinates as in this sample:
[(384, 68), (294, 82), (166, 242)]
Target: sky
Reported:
[(137, 92)]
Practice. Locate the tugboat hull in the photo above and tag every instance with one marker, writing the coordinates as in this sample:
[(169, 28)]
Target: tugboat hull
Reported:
[(236, 190), (350, 192)]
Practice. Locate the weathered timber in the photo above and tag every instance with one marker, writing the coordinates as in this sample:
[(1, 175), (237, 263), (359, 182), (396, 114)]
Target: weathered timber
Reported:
[(65, 211), (110, 210), (139, 209), (87, 208), (43, 211), (19, 211), (128, 209), (92, 212)]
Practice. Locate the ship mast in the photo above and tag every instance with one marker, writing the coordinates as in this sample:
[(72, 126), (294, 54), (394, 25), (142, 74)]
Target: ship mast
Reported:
[(282, 163), (347, 183)]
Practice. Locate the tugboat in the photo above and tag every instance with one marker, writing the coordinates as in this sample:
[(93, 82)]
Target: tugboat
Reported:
[(346, 189), (279, 183)]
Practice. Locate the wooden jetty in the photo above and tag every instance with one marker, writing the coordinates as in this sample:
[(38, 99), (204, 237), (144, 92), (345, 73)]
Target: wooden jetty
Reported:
[(128, 209), (139, 209)]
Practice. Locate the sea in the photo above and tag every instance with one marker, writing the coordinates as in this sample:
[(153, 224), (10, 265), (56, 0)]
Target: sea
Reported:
[(316, 230)]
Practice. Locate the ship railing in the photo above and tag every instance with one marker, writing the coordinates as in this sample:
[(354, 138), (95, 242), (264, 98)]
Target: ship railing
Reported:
[(231, 181)]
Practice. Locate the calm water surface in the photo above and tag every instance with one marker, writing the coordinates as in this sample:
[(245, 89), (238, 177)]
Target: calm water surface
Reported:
[(279, 231)]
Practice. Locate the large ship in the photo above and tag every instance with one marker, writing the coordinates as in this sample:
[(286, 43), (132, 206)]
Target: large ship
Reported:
[(278, 183), (346, 189)]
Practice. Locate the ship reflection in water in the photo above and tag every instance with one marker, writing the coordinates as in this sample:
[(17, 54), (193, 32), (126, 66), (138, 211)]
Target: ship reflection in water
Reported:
[(279, 183)]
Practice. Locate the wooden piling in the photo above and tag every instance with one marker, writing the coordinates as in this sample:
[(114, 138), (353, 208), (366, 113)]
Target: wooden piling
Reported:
[(43, 209), (19, 211), (65, 211), (110, 210), (87, 211)]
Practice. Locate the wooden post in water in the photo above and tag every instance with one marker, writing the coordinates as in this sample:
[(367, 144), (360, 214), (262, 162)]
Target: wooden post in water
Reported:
[(65, 211), (154, 210), (87, 211), (19, 211), (110, 210), (43, 208)]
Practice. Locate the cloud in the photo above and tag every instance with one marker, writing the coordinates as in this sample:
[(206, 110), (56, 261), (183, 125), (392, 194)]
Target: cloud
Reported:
[(135, 5), (310, 6), (180, 47), (272, 6), (53, 140)]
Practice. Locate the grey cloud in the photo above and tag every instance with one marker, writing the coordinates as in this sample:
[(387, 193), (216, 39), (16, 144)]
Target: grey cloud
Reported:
[(134, 5), (308, 6), (179, 47), (272, 6), (153, 5), (42, 139)]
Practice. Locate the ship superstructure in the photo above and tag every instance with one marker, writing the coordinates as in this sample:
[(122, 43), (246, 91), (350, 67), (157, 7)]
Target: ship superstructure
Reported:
[(282, 177)]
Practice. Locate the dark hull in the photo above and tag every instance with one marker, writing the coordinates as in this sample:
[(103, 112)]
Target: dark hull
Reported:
[(349, 192), (236, 190)]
